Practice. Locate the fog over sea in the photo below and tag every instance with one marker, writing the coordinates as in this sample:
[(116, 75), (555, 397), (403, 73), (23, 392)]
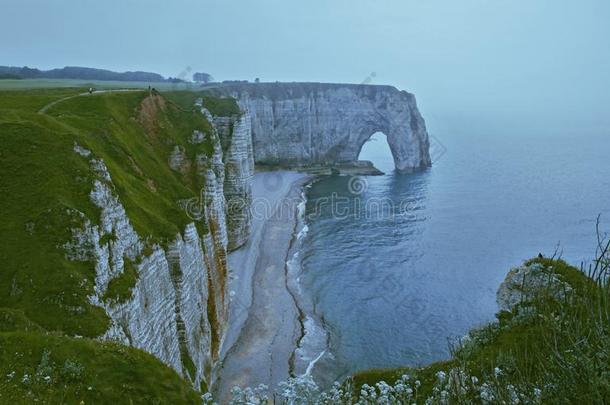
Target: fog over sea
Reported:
[(392, 287)]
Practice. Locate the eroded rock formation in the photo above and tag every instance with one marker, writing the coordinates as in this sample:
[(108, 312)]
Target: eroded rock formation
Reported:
[(178, 308), (304, 124), (236, 139), (525, 283)]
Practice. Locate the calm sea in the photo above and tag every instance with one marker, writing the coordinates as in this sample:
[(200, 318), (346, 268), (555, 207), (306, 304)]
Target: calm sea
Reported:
[(408, 261)]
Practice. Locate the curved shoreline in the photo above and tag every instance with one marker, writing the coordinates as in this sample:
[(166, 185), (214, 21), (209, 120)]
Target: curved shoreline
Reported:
[(264, 319), (313, 345)]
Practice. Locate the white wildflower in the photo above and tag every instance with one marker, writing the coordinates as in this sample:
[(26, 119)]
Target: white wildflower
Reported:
[(207, 398), (497, 372), (487, 395), (512, 393)]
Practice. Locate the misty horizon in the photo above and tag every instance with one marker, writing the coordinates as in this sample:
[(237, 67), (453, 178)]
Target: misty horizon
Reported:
[(475, 66)]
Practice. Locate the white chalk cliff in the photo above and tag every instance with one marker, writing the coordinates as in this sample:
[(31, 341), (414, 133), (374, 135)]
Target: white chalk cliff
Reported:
[(301, 124), (178, 307)]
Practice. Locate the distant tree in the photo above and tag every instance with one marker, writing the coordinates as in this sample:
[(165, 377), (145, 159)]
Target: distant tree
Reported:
[(201, 77), (257, 80)]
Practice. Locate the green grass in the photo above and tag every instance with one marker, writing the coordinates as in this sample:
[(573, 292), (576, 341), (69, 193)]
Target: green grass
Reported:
[(21, 101), (44, 181), (120, 288), (45, 185), (219, 106), (9, 76), (426, 375), (62, 370), (41, 181), (135, 146), (15, 320)]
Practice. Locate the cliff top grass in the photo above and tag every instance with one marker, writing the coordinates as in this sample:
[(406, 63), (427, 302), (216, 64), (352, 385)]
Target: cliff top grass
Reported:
[(43, 183), (48, 369), (218, 106)]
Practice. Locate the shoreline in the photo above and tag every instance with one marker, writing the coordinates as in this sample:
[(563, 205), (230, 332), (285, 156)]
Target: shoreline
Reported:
[(312, 350), (265, 321)]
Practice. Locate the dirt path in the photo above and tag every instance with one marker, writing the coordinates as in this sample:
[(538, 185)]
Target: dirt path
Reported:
[(44, 109)]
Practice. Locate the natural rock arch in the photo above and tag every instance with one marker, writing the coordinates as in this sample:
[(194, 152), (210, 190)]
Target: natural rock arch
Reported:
[(383, 139), (301, 124)]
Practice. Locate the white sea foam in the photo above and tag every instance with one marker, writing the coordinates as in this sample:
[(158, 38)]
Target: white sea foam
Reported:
[(312, 344), (303, 232)]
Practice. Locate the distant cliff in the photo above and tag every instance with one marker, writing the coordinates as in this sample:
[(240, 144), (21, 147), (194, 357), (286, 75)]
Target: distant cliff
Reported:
[(300, 124)]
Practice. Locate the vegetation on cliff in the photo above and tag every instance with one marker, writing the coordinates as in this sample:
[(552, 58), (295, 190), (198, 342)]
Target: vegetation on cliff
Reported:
[(52, 369), (44, 299), (44, 181)]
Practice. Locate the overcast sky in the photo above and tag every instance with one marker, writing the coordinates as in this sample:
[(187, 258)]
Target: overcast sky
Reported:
[(487, 65)]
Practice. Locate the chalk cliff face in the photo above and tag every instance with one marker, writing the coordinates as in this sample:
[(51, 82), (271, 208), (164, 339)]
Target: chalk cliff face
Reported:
[(178, 307), (300, 124), (525, 283), (236, 139)]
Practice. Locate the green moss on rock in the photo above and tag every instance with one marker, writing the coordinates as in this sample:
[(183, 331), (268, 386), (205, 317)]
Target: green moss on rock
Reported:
[(120, 288)]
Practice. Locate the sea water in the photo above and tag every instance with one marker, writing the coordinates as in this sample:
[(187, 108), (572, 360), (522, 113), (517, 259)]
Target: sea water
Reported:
[(397, 265)]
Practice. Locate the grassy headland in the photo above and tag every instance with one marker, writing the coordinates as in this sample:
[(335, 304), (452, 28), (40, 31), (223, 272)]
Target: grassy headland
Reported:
[(44, 301)]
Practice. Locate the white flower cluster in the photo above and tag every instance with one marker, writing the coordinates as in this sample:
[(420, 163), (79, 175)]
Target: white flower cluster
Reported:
[(457, 386), (249, 396), (404, 391), (299, 391), (452, 386)]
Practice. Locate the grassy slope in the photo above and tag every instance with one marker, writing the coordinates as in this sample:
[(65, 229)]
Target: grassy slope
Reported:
[(66, 370), (42, 179), (566, 341)]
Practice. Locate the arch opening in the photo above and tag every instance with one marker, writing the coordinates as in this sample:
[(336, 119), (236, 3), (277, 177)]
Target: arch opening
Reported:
[(376, 149)]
